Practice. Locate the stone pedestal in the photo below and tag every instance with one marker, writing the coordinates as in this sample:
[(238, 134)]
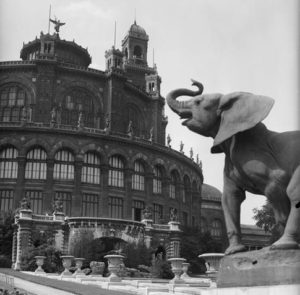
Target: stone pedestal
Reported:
[(39, 263), (67, 261), (114, 262), (176, 264), (260, 268)]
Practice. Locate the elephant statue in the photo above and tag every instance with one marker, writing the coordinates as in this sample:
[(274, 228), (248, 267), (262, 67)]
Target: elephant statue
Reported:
[(257, 160)]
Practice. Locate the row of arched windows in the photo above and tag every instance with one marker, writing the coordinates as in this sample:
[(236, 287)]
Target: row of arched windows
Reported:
[(64, 170)]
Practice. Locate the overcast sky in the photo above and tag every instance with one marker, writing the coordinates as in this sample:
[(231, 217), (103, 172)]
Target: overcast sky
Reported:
[(228, 45)]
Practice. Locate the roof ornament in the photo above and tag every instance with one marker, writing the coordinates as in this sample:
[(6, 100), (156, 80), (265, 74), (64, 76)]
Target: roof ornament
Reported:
[(57, 23)]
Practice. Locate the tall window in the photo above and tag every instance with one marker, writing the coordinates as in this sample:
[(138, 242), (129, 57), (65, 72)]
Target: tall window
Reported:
[(66, 199), (90, 205), (137, 209), (172, 190), (134, 114), (115, 207), (216, 228), (91, 168), (138, 178), (157, 180), (36, 201), (6, 200), (116, 171), (157, 213), (9, 163), (12, 100), (203, 225), (186, 189), (78, 101), (36, 165), (64, 165)]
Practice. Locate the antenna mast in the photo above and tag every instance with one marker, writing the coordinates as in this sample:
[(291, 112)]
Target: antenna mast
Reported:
[(115, 34)]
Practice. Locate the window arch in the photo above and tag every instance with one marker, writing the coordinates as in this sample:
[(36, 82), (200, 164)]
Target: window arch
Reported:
[(90, 172), (77, 101), (157, 180), (9, 163), (63, 165), (13, 98), (173, 184), (36, 165), (138, 178), (216, 228), (116, 171)]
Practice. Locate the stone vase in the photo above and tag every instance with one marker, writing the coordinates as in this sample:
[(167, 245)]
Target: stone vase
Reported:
[(176, 264), (114, 263), (185, 267), (67, 261), (39, 263), (78, 264), (213, 260)]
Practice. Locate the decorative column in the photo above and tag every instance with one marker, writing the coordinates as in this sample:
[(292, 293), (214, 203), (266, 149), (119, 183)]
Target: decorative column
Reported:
[(23, 237), (148, 221), (104, 197), (14, 246), (48, 193), (174, 245), (128, 194), (19, 188), (76, 204)]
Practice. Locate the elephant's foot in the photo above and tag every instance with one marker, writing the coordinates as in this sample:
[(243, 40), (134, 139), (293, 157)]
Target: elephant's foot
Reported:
[(235, 249), (285, 243)]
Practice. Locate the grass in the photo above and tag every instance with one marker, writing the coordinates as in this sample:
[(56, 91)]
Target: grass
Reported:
[(72, 287)]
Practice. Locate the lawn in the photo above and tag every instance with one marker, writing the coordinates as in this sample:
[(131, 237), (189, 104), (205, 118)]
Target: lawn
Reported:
[(72, 287)]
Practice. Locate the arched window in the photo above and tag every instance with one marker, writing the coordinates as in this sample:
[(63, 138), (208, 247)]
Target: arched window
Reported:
[(216, 228), (91, 168), (138, 178), (9, 163), (173, 184), (63, 165), (77, 101), (157, 180), (12, 100), (137, 51), (116, 171), (36, 165), (203, 225), (134, 114)]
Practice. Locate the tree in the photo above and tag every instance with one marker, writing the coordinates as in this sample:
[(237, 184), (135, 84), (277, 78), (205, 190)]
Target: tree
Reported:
[(6, 237), (194, 243), (265, 219)]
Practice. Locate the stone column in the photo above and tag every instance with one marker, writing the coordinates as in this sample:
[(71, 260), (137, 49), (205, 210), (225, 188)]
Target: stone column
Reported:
[(77, 198), (104, 197), (128, 194), (49, 193), (149, 188), (14, 246), (19, 190), (23, 240)]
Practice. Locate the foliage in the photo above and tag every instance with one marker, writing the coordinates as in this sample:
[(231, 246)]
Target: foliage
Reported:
[(265, 219), (194, 243), (52, 262), (6, 235), (137, 254), (165, 271)]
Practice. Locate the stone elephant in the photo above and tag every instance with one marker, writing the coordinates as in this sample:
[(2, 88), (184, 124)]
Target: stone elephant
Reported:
[(257, 160)]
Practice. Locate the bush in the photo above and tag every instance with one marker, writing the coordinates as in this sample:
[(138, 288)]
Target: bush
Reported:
[(52, 262), (137, 254), (6, 235), (5, 262)]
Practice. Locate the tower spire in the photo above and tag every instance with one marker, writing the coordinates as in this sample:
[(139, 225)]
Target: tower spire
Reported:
[(135, 16), (115, 33)]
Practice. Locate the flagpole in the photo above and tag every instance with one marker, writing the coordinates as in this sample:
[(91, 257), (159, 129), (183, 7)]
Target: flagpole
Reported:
[(49, 19)]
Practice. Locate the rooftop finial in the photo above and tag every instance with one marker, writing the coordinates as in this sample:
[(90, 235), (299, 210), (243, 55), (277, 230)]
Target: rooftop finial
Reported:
[(49, 19), (57, 23)]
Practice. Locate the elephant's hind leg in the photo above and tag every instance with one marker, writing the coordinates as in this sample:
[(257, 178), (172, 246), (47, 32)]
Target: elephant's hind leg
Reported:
[(292, 228)]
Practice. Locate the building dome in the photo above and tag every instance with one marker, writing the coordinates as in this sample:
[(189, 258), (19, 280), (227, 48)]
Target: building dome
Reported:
[(137, 31), (210, 193)]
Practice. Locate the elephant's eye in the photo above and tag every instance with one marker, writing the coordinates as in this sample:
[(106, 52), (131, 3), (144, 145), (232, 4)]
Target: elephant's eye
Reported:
[(198, 102)]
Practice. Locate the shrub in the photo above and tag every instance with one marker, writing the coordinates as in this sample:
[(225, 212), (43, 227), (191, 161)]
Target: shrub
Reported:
[(5, 262), (137, 254)]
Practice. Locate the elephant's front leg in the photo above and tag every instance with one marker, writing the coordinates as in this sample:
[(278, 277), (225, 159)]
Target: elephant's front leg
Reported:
[(232, 198)]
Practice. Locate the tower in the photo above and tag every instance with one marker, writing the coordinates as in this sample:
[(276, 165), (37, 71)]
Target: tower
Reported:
[(113, 59)]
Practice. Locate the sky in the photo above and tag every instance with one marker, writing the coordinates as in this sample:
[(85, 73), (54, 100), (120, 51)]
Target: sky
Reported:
[(228, 45)]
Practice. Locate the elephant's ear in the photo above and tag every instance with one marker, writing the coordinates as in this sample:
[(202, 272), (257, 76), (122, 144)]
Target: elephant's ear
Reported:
[(240, 111)]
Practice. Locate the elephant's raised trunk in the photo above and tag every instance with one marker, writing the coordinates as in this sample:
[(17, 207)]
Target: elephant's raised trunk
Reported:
[(180, 107)]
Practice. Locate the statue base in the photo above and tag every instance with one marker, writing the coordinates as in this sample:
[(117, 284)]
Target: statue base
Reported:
[(264, 267)]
